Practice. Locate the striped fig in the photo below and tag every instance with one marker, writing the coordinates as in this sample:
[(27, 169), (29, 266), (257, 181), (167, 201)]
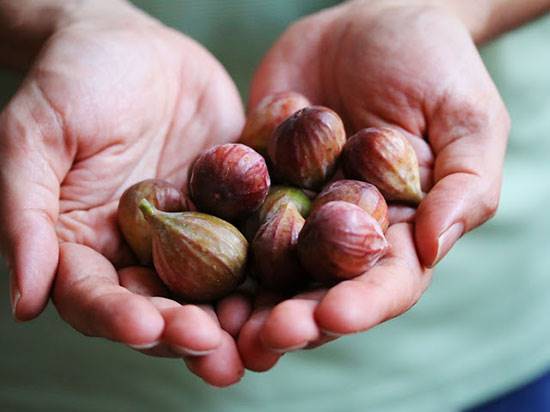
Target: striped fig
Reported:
[(229, 181), (340, 241), (199, 257), (362, 194), (384, 157), (305, 148), (267, 115), (275, 259), (133, 226)]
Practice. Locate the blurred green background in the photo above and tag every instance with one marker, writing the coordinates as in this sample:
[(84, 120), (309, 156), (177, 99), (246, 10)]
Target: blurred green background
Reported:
[(46, 366)]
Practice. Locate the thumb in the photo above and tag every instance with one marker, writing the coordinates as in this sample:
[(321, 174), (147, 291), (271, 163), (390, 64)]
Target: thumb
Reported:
[(469, 141), (294, 63), (31, 169)]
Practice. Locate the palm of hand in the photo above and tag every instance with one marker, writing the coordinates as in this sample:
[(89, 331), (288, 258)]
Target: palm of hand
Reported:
[(146, 113), (379, 66)]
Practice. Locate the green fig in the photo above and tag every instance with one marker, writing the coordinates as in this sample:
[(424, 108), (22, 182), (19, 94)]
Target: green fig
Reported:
[(134, 228), (198, 256), (278, 196)]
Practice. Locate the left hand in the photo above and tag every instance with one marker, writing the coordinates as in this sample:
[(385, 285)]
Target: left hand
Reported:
[(113, 97), (400, 64)]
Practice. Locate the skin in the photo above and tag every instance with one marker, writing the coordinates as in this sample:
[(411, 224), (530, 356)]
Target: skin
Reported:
[(105, 104), (86, 124), (377, 64)]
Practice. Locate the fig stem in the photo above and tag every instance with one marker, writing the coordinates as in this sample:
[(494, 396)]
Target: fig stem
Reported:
[(147, 209)]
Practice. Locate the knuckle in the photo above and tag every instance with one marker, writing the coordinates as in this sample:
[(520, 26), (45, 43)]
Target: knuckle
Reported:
[(489, 204)]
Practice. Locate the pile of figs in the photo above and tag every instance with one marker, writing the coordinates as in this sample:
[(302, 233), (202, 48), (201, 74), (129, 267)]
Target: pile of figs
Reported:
[(309, 228)]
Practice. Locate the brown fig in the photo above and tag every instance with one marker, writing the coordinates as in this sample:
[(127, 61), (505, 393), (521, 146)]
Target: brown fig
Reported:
[(305, 148), (275, 261), (133, 226), (362, 194), (230, 181), (384, 157), (268, 114), (199, 257), (340, 241)]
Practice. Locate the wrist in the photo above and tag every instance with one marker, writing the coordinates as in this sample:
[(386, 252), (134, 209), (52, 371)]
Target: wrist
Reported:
[(488, 19), (484, 20)]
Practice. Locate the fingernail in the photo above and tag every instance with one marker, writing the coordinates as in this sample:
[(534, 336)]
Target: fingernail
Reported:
[(15, 295), (333, 334), (446, 241), (290, 348), (180, 350), (145, 345)]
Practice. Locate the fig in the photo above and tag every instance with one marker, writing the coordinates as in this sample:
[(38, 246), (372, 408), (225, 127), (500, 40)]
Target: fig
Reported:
[(282, 195), (340, 241), (275, 260), (268, 114), (362, 194), (229, 181), (305, 148), (384, 157), (131, 222), (278, 196), (198, 256)]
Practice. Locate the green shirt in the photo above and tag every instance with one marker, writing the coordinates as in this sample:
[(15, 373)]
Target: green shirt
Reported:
[(482, 327)]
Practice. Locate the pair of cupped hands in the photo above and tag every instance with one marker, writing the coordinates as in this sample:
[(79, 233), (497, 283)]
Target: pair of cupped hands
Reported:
[(112, 101)]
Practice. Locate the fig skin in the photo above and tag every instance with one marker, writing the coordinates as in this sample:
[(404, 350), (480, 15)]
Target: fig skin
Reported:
[(134, 227), (278, 196), (275, 259), (198, 256), (305, 148), (340, 241), (384, 157), (267, 116), (282, 195), (229, 181), (362, 194)]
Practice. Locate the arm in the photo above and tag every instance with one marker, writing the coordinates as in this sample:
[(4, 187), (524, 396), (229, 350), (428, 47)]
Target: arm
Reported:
[(26, 24), (488, 19)]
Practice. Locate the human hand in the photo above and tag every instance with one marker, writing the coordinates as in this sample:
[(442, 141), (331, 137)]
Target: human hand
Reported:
[(405, 65), (113, 97)]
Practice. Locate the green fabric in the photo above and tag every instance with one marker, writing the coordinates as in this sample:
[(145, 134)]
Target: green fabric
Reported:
[(482, 327)]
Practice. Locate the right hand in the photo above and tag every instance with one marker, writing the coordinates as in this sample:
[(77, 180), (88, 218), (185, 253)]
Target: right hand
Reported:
[(401, 64), (110, 100)]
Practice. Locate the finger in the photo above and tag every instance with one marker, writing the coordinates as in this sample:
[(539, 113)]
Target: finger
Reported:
[(88, 296), (281, 335), (290, 66), (233, 311), (190, 331), (401, 214), (221, 368), (34, 159), (385, 291), (142, 281), (322, 340), (469, 141), (291, 324), (256, 356)]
